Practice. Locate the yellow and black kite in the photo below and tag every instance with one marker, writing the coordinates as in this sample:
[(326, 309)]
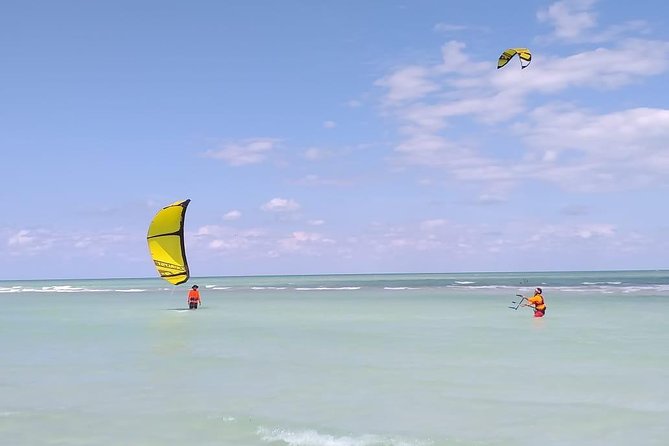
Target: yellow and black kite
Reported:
[(524, 55), (166, 242)]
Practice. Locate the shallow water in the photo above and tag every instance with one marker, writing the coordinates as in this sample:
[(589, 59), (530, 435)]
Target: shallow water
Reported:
[(337, 361)]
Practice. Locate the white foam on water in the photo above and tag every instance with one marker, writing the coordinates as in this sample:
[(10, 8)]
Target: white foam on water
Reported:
[(131, 290), (313, 438), (400, 288), (220, 288), (483, 287), (463, 282), (60, 289), (257, 288)]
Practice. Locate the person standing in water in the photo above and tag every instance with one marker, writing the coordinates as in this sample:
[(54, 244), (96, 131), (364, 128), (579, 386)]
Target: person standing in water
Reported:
[(537, 302), (194, 298)]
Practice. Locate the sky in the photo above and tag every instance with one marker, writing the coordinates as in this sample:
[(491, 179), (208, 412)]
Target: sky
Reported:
[(320, 137)]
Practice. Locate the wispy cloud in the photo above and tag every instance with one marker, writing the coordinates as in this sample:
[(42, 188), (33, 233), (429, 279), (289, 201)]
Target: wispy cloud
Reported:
[(317, 180), (585, 231), (576, 21), (304, 242), (248, 151), (219, 239), (281, 205), (232, 215), (569, 18), (624, 149), (329, 124), (317, 153), (408, 83), (429, 225), (449, 27), (29, 242)]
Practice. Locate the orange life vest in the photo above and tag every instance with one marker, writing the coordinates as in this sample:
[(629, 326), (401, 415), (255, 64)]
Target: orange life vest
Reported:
[(538, 301), (193, 296)]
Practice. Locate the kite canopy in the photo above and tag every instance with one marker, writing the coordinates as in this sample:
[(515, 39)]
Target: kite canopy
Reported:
[(166, 242), (524, 56)]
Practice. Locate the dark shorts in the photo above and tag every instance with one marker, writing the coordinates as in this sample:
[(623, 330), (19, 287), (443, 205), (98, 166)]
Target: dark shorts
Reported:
[(192, 305)]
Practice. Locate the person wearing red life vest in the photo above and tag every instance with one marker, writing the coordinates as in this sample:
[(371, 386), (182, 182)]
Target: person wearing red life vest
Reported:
[(538, 303), (194, 298)]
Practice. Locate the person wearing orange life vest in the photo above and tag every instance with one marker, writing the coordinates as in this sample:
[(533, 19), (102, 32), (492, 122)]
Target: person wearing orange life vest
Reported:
[(537, 302), (194, 298)]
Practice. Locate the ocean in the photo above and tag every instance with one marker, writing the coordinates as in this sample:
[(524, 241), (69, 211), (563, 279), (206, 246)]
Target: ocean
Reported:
[(339, 360)]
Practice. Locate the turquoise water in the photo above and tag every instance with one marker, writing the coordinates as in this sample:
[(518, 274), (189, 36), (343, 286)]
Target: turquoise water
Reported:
[(433, 359)]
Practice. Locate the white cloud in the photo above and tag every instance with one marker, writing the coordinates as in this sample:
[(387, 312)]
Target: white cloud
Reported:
[(354, 103), (317, 154), (304, 242), (449, 27), (456, 60), (329, 124), (29, 242), (558, 233), (316, 222), (248, 151), (316, 180), (22, 237), (280, 205), (232, 215), (225, 239), (623, 149), (570, 18), (576, 21), (430, 225), (408, 83)]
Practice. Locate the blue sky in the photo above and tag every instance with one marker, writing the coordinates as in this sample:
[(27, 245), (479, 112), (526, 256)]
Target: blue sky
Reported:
[(334, 137)]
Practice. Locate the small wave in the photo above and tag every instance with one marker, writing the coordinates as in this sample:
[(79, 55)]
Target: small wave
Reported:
[(58, 289), (463, 282), (601, 283), (482, 287), (313, 438), (52, 289), (323, 288), (259, 288), (399, 288), (221, 288), (131, 290)]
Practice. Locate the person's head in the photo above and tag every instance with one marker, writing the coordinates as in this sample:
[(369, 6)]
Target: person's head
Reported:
[(195, 287), (537, 290)]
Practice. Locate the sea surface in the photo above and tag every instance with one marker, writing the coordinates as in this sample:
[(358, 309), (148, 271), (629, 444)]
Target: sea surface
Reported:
[(340, 360)]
